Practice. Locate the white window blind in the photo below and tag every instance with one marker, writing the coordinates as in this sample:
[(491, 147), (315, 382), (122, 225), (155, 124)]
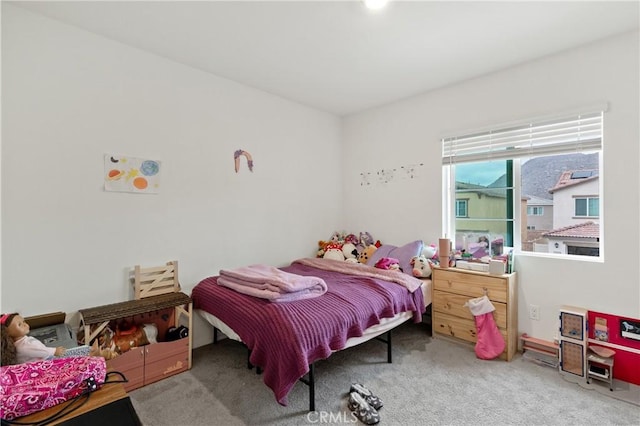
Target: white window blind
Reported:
[(574, 133)]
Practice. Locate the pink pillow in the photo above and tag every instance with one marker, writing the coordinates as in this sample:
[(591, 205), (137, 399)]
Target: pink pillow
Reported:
[(403, 254)]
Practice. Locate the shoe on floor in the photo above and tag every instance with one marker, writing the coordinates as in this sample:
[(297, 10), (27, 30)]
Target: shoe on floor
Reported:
[(363, 411), (368, 396)]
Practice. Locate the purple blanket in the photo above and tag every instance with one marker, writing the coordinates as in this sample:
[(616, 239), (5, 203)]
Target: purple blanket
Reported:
[(284, 338)]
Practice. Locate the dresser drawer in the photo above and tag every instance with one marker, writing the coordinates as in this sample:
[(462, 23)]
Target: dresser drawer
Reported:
[(471, 285), (453, 304), (459, 328)]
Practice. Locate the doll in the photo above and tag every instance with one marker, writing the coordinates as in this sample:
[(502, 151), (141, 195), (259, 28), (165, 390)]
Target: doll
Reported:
[(18, 347)]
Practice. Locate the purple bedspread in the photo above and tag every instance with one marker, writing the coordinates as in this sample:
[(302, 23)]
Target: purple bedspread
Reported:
[(284, 338)]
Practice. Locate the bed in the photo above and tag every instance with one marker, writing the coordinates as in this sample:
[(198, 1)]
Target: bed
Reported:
[(285, 339)]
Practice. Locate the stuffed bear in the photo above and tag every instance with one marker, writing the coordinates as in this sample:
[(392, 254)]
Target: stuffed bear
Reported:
[(366, 254), (421, 267)]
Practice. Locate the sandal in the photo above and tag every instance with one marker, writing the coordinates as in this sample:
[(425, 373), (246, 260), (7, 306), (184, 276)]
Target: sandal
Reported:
[(368, 396), (363, 411)]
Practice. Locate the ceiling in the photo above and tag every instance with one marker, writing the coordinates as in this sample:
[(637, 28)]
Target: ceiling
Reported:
[(339, 57)]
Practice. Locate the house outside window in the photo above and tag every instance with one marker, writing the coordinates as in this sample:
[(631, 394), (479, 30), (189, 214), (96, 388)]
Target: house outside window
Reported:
[(533, 203)]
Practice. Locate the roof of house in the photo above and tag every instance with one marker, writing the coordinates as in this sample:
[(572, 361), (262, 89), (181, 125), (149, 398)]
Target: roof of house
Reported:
[(479, 189), (537, 201), (574, 177), (582, 230)]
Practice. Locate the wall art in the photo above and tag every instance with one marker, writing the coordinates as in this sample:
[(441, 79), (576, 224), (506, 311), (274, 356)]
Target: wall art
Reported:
[(236, 157), (130, 174)]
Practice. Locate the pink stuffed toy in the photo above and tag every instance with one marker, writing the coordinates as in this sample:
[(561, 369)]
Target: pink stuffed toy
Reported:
[(388, 263)]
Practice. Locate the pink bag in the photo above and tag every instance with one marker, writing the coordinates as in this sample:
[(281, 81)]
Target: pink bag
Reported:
[(490, 342), (34, 386)]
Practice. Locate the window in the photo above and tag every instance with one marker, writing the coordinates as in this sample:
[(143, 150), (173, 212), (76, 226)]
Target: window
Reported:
[(587, 206), (495, 174), (461, 208), (535, 210)]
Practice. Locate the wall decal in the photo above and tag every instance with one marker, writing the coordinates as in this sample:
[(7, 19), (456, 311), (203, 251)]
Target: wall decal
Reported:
[(365, 179), (236, 157), (410, 171), (386, 175), (129, 174), (389, 175)]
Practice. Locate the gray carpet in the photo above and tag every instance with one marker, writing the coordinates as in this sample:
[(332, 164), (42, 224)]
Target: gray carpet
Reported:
[(431, 381)]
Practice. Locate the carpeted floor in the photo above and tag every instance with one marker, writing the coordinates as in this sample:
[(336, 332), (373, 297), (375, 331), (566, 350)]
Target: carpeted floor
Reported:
[(431, 381)]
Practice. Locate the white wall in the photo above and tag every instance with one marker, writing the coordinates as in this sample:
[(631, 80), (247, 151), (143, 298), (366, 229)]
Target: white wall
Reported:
[(409, 131), (69, 97)]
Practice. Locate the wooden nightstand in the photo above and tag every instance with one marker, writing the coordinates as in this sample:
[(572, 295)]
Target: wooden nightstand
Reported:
[(452, 288)]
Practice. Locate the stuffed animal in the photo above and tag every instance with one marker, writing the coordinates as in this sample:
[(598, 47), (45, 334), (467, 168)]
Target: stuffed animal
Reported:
[(430, 251), (333, 251), (366, 253), (338, 237), (365, 239), (388, 263), (349, 251), (421, 267), (322, 248), (351, 238)]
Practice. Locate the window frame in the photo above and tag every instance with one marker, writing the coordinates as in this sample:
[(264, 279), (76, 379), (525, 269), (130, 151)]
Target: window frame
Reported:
[(462, 201), (535, 210), (587, 199), (516, 218)]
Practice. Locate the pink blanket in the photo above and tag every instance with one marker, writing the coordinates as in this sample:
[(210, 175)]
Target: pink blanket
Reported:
[(362, 270), (34, 386), (268, 282)]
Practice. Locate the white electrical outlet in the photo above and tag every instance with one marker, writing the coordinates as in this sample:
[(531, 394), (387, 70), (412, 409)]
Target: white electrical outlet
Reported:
[(534, 312)]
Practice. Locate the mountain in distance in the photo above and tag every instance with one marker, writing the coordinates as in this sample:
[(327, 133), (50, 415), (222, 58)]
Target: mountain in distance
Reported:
[(541, 173)]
